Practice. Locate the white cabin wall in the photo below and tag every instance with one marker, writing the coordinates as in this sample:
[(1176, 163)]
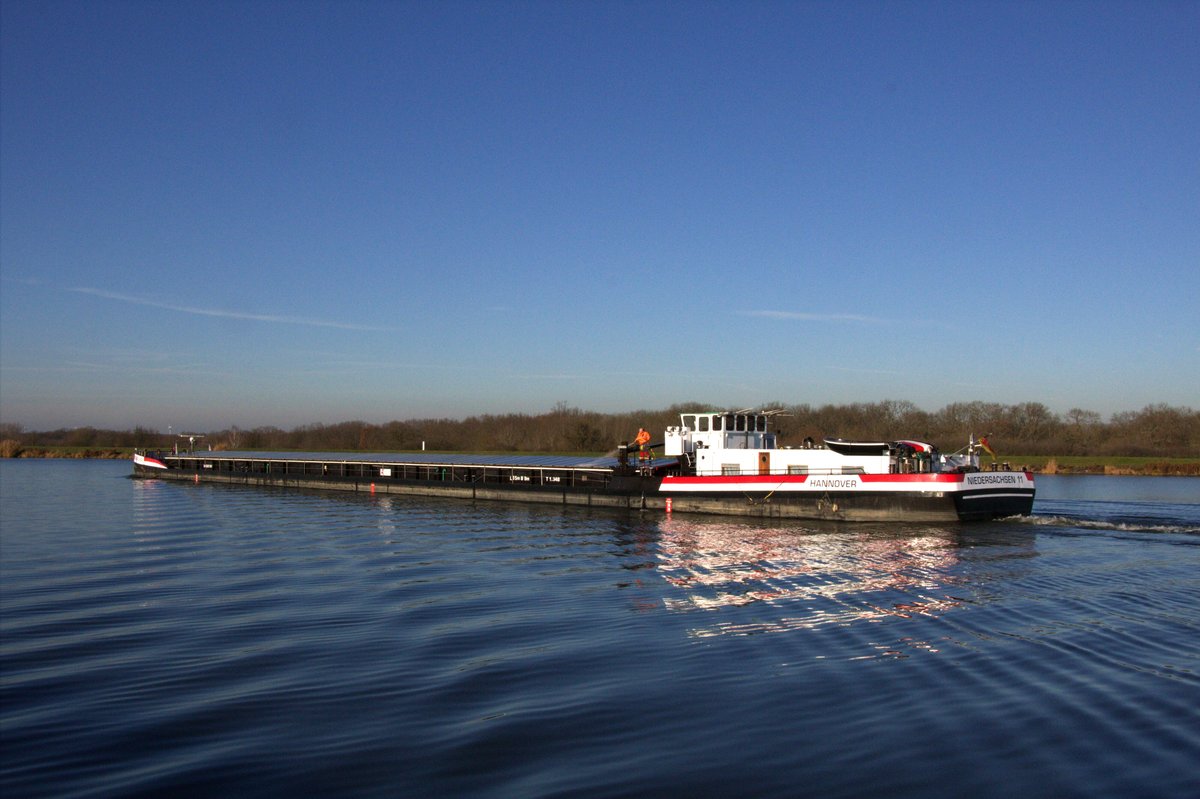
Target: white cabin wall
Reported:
[(676, 442), (815, 461), (718, 449)]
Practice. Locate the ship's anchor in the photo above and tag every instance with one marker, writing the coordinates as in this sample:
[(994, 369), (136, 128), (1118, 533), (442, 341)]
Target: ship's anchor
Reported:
[(826, 503)]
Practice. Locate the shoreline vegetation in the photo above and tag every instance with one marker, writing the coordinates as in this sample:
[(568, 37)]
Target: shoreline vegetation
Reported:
[(1157, 440), (1038, 464)]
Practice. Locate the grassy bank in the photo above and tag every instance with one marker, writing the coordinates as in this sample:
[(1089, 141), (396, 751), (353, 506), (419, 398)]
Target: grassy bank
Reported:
[(10, 449), (1109, 464), (1042, 464)]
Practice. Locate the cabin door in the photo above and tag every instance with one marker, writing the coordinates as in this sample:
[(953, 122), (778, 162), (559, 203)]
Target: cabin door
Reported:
[(764, 463)]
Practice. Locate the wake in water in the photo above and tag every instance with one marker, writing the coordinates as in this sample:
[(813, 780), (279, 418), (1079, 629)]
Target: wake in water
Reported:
[(1125, 526)]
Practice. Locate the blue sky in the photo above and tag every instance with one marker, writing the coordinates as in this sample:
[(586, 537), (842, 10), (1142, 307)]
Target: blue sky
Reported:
[(254, 213)]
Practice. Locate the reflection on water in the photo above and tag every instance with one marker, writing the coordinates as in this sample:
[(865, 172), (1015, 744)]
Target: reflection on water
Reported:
[(162, 639), (803, 577)]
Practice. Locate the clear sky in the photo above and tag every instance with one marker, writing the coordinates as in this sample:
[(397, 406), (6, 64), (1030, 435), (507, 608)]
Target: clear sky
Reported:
[(252, 213)]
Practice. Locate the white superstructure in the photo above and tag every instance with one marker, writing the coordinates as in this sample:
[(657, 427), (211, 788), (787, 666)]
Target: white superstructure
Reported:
[(720, 443), (731, 460)]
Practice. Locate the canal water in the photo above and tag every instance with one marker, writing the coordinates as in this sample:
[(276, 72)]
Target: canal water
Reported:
[(166, 639)]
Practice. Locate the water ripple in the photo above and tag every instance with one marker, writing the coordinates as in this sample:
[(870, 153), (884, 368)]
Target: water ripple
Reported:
[(174, 638)]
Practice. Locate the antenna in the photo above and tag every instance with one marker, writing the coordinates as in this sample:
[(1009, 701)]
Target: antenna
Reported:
[(191, 437)]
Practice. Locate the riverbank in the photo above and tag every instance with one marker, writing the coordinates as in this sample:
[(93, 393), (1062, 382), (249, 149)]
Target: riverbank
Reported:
[(1114, 465), (11, 449), (1038, 464)]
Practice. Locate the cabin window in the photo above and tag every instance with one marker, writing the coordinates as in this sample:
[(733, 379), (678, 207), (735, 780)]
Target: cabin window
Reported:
[(703, 424), (730, 468), (795, 469), (689, 422), (760, 424)]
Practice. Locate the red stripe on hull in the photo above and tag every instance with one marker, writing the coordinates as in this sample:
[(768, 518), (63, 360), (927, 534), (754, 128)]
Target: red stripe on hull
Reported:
[(736, 479), (742, 479)]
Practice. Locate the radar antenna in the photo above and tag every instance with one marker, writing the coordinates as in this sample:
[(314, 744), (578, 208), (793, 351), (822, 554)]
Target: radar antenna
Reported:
[(191, 438)]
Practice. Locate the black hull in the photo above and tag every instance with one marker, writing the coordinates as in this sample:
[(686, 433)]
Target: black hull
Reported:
[(976, 505), (642, 493), (857, 506), (635, 493)]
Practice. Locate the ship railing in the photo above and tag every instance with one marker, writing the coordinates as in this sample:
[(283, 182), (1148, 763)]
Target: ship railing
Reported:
[(752, 471), (338, 470)]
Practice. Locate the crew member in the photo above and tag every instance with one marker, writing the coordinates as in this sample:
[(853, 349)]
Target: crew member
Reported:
[(643, 438)]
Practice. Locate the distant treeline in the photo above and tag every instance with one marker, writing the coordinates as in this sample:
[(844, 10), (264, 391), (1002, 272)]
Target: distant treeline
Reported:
[(1028, 428)]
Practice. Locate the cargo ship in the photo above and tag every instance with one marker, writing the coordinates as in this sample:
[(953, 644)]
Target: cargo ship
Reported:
[(711, 462)]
